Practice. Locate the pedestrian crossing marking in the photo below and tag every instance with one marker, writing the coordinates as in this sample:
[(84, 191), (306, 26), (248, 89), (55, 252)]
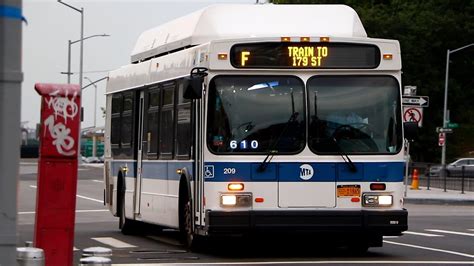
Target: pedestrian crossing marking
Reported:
[(450, 232), (113, 242), (432, 249), (420, 234)]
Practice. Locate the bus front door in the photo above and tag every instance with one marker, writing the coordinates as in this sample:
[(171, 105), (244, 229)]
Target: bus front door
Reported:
[(138, 181)]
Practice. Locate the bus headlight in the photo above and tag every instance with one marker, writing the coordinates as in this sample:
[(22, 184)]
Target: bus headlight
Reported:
[(229, 200), (236, 200), (373, 200)]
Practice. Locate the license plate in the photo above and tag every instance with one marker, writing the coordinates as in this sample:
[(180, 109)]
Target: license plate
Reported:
[(348, 191)]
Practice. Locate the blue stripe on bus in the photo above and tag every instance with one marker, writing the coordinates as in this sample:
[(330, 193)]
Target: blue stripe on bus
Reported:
[(153, 169), (291, 172), (282, 172)]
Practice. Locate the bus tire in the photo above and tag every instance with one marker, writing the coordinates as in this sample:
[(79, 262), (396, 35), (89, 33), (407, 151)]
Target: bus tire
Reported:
[(189, 238), (125, 224)]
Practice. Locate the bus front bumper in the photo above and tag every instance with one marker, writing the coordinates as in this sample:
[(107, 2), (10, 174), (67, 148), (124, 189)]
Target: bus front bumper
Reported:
[(379, 222)]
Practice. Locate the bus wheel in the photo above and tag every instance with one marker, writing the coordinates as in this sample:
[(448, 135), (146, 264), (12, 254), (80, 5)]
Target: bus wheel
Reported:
[(125, 224), (190, 239), (188, 233)]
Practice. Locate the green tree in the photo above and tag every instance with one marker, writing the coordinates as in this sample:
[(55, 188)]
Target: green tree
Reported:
[(425, 30)]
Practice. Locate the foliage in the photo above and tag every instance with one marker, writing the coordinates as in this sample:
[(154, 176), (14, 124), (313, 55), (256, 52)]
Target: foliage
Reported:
[(425, 30)]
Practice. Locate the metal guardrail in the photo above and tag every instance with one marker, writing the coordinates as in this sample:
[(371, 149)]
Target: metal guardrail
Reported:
[(460, 181)]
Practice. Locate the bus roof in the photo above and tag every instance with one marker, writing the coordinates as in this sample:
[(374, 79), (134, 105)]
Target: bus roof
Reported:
[(231, 21)]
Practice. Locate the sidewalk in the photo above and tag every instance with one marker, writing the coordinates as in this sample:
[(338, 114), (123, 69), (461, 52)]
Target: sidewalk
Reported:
[(438, 196)]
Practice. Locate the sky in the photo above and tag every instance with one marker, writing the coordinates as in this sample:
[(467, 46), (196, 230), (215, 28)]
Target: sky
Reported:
[(51, 25)]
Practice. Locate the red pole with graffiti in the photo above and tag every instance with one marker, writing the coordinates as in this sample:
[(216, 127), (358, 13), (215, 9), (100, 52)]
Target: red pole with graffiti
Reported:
[(57, 172)]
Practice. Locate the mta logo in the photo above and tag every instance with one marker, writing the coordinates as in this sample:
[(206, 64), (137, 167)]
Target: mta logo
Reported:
[(306, 171)]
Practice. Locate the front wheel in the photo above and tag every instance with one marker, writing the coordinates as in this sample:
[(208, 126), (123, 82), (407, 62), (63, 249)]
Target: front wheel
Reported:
[(190, 239), (126, 225)]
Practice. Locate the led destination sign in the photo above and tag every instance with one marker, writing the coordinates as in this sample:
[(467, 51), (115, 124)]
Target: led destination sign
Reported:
[(305, 55)]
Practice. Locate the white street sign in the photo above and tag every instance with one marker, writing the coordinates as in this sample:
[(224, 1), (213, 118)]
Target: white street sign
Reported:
[(420, 101)]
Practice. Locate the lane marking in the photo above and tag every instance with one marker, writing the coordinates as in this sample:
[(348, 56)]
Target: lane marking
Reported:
[(79, 196), (23, 163), (432, 249), (98, 181), (470, 229), (450, 232), (310, 262), (387, 237), (420, 234), (75, 249), (87, 198), (77, 211), (113, 242)]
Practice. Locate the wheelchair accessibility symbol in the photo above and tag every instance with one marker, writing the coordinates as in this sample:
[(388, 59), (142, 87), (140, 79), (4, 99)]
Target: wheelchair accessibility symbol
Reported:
[(209, 171)]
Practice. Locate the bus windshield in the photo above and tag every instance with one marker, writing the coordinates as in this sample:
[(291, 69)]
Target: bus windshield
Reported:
[(256, 114), (354, 114)]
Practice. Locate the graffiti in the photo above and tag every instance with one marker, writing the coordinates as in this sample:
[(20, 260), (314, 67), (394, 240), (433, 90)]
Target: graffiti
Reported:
[(60, 133), (62, 106), (67, 109)]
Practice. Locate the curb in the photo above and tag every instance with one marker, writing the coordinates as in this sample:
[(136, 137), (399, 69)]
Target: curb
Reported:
[(427, 201)]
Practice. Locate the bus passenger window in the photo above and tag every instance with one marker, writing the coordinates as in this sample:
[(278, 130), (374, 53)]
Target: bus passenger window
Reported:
[(151, 135), (167, 124), (183, 127), (127, 125), (115, 124)]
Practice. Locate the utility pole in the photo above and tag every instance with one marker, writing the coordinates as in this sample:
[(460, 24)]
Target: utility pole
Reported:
[(11, 77), (445, 110)]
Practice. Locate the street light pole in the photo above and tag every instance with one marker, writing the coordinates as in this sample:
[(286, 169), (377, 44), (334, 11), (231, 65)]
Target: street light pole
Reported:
[(94, 137), (81, 39), (445, 110), (95, 98), (81, 63), (69, 73), (69, 62)]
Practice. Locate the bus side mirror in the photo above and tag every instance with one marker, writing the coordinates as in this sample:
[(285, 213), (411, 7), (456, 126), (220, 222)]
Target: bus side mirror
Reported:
[(411, 130), (193, 87)]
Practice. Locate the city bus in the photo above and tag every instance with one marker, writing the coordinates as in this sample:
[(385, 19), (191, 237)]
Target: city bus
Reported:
[(248, 119)]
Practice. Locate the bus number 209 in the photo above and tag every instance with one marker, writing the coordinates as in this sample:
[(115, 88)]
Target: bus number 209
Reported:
[(229, 171)]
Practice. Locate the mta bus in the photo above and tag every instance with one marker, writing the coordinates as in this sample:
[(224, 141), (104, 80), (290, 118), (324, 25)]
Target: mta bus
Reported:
[(241, 119)]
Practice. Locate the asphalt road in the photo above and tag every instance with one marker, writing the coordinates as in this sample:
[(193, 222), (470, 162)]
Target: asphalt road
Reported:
[(438, 234)]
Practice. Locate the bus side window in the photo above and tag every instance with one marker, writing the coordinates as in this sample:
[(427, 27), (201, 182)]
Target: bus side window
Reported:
[(183, 127), (126, 135), (167, 123), (117, 102), (152, 123)]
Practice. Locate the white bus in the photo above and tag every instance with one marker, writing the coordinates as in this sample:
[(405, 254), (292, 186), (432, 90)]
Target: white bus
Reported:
[(240, 119)]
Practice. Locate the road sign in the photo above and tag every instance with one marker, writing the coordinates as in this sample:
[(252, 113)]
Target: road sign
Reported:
[(420, 101), (452, 125), (441, 139), (444, 130), (413, 114)]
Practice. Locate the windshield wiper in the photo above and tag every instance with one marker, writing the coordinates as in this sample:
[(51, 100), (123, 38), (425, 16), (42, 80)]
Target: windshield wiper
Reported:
[(345, 157), (263, 165)]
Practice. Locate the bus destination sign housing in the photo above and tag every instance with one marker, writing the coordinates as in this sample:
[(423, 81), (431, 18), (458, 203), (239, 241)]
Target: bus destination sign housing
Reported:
[(310, 55)]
